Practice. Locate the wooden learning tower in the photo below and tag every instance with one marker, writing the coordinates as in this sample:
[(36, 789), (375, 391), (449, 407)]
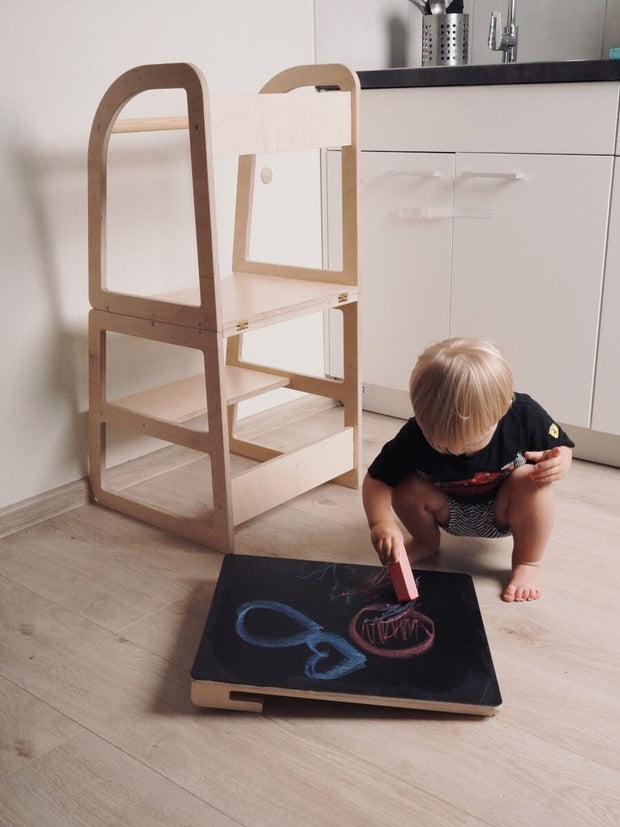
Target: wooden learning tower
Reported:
[(213, 316)]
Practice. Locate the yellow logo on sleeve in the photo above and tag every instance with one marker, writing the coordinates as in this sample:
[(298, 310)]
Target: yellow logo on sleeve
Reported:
[(554, 430)]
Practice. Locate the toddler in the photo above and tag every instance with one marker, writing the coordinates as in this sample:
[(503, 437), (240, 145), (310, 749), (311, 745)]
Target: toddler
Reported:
[(477, 459)]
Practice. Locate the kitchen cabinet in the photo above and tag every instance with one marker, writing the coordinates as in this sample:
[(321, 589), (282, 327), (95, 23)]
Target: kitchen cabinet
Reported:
[(527, 271), (405, 250), (509, 246), (606, 409)]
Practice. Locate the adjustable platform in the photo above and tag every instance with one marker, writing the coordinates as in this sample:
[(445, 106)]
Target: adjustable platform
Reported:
[(227, 301)]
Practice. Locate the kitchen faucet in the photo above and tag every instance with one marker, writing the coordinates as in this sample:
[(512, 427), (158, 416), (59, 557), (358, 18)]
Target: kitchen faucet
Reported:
[(510, 35)]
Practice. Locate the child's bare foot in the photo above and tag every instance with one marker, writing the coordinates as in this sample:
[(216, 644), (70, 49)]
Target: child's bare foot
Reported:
[(417, 552), (525, 583)]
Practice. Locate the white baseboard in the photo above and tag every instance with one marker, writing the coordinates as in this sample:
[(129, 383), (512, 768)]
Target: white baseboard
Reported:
[(595, 446), (388, 401), (35, 510)]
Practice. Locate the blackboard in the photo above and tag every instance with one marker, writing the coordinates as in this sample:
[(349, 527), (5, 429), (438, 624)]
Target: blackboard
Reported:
[(304, 628)]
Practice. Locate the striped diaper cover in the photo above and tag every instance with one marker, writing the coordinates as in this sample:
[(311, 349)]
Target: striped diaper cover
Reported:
[(473, 519)]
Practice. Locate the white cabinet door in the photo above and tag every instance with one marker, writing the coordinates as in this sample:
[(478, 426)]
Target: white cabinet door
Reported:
[(529, 241), (406, 250), (606, 412), (405, 259)]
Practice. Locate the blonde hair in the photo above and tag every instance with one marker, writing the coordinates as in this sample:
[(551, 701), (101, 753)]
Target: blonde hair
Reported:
[(459, 390)]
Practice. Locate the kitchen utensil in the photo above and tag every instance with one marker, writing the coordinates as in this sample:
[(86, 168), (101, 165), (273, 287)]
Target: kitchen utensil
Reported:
[(437, 6), (420, 4)]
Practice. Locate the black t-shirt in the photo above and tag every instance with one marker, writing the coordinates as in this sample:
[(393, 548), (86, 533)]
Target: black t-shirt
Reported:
[(476, 477)]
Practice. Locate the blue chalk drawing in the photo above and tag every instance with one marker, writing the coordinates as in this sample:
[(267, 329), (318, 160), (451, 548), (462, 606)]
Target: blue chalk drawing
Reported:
[(312, 635)]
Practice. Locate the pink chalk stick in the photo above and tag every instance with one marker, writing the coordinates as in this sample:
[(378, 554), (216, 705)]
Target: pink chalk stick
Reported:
[(403, 579)]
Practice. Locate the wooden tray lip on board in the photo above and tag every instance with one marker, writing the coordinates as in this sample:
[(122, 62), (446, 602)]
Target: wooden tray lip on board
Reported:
[(211, 688)]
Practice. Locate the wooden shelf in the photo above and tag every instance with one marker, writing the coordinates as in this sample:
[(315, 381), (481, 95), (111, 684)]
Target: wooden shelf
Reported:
[(249, 301), (184, 399)]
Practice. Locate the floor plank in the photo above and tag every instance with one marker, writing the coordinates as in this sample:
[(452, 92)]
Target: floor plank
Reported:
[(88, 781), (486, 768), (28, 728), (104, 566)]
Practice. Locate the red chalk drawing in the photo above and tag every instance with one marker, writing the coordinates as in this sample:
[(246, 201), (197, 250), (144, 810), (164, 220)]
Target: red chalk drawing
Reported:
[(392, 631), (388, 630)]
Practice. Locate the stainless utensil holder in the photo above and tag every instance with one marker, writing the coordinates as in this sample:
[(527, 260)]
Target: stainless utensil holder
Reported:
[(445, 39)]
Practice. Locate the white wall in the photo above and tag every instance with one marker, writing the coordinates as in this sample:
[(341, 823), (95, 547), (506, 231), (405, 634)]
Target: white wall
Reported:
[(56, 61), (377, 34)]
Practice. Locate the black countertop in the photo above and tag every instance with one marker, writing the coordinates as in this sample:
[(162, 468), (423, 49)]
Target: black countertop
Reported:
[(565, 71)]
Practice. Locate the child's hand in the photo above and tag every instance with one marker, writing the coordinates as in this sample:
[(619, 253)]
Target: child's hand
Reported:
[(388, 541), (551, 465)]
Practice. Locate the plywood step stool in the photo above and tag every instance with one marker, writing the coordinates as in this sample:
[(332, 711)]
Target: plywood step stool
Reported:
[(213, 317)]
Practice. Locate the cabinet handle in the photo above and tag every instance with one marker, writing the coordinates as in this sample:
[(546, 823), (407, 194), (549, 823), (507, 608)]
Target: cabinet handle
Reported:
[(423, 213), (433, 213), (412, 173), (402, 173), (505, 176), (473, 212)]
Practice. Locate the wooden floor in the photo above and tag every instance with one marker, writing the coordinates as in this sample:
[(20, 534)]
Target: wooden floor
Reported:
[(100, 617)]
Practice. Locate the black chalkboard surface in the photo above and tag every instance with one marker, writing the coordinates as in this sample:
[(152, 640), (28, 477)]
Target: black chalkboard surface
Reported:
[(335, 631)]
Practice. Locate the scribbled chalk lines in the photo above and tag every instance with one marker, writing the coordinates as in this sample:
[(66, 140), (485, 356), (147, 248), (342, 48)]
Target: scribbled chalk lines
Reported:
[(387, 630), (338, 573), (320, 642), (334, 572), (399, 631)]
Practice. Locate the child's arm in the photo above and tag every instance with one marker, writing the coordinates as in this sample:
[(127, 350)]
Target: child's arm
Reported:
[(385, 535), (550, 465)]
